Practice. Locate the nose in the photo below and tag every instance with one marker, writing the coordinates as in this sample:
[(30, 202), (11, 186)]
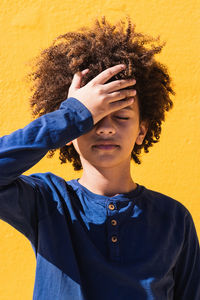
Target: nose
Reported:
[(105, 126)]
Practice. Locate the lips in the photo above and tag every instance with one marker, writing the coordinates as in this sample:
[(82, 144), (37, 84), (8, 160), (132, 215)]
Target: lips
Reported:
[(105, 146)]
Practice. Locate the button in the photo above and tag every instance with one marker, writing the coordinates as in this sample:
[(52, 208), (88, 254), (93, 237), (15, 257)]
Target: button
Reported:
[(111, 206), (114, 239), (113, 222)]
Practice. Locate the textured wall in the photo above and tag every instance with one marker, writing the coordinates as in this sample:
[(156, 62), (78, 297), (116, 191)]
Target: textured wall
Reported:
[(171, 167)]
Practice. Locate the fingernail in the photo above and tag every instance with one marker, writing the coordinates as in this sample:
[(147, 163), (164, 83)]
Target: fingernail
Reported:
[(85, 71)]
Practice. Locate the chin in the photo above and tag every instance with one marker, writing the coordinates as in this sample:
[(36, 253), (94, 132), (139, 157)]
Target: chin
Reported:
[(106, 163)]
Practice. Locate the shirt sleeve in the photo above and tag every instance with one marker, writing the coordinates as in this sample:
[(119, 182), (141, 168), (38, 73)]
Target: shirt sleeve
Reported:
[(187, 269), (20, 195), (23, 148)]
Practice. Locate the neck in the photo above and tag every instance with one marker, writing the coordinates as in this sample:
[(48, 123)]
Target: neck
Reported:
[(108, 181)]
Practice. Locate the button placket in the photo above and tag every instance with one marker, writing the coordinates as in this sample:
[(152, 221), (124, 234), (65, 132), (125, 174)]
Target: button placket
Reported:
[(111, 206), (113, 231), (113, 222)]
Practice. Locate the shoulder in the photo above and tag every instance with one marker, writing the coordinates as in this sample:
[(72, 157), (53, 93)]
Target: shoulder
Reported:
[(168, 214), (164, 205), (46, 177), (44, 181), (52, 190)]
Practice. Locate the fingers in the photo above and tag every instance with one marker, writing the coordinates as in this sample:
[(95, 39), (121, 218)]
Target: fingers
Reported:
[(84, 72), (76, 81), (118, 85), (114, 106), (120, 95), (107, 74)]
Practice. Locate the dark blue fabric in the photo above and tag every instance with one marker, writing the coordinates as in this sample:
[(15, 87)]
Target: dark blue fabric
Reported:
[(156, 255)]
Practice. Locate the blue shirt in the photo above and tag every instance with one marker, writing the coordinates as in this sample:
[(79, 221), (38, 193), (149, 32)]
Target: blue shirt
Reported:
[(140, 245)]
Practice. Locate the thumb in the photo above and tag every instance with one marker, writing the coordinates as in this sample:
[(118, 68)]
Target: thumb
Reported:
[(76, 81)]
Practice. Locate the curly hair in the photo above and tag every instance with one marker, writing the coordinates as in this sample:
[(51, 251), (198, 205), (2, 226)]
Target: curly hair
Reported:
[(98, 48)]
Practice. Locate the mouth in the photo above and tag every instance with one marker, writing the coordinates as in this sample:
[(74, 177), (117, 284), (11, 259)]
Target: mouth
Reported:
[(105, 147)]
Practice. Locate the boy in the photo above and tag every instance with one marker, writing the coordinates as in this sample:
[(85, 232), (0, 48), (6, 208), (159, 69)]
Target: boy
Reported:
[(102, 236)]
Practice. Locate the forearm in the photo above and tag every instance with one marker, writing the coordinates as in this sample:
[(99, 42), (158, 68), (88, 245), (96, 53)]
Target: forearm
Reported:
[(23, 148)]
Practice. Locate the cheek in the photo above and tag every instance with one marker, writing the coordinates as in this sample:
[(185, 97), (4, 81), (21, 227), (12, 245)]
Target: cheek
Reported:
[(131, 138), (80, 145), (83, 142)]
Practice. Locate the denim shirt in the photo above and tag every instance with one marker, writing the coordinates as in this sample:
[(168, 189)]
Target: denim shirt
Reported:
[(139, 245)]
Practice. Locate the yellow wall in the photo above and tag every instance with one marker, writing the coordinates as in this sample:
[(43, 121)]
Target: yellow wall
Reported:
[(171, 167)]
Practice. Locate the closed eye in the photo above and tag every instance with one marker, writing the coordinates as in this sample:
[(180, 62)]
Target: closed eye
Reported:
[(122, 118)]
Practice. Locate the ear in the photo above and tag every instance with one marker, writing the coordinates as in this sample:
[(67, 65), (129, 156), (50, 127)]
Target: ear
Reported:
[(143, 128), (69, 144)]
